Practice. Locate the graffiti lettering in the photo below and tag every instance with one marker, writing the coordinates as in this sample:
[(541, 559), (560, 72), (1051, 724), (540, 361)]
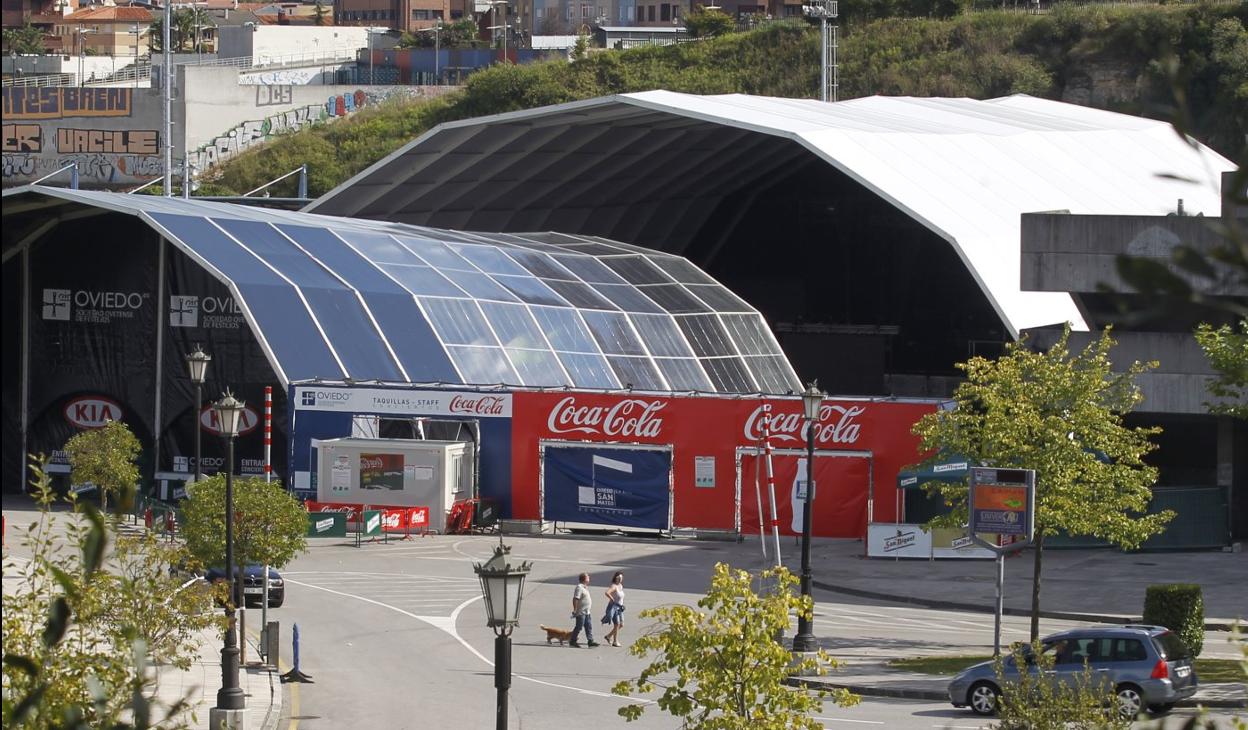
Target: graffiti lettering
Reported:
[(242, 137), (53, 103), (22, 138), (274, 95), (15, 165), (135, 141)]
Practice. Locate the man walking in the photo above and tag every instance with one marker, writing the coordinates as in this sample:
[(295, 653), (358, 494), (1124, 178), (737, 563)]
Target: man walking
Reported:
[(582, 605)]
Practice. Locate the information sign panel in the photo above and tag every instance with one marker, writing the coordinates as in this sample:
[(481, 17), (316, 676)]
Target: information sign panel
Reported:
[(1002, 501)]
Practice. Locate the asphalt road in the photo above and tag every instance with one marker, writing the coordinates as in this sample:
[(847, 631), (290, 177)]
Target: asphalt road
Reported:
[(394, 635)]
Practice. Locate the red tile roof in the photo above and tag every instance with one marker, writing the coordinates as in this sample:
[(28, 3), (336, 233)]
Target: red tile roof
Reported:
[(110, 15)]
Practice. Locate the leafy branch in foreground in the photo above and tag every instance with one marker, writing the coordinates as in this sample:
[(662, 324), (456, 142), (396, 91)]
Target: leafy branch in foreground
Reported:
[(719, 665), (80, 632)]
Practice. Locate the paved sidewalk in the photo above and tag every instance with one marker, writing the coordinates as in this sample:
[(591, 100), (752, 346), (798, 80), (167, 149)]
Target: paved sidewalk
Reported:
[(1090, 585), (261, 686)]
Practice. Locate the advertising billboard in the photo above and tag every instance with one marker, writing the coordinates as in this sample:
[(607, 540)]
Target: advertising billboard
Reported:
[(381, 471), (1001, 501)]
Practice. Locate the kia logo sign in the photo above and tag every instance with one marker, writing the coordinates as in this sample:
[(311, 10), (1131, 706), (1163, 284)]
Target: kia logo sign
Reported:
[(209, 422), (92, 411)]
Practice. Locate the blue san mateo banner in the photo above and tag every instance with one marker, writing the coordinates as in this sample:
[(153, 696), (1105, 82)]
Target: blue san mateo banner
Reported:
[(605, 486)]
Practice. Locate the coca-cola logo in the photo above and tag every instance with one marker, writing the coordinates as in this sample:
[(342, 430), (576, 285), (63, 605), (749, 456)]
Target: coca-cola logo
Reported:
[(371, 463), (631, 417), (485, 405), (392, 520), (247, 422), (836, 424), (92, 411)]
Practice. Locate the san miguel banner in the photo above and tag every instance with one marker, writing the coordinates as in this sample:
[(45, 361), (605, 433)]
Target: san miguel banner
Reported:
[(608, 486), (705, 434)]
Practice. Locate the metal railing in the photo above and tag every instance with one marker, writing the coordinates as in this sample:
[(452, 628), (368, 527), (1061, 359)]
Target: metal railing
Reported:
[(40, 80), (143, 71)]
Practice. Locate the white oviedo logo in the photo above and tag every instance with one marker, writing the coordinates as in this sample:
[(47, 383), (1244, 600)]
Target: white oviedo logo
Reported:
[(183, 310), (630, 417), (92, 411), (836, 424)]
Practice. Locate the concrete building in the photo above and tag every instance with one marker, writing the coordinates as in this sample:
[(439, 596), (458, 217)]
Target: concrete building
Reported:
[(270, 43), (399, 15), (1207, 456)]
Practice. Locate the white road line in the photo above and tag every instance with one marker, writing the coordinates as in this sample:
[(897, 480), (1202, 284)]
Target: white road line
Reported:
[(447, 624), (844, 719)]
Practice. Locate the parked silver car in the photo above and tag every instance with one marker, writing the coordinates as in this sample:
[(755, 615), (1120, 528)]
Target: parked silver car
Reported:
[(1148, 667)]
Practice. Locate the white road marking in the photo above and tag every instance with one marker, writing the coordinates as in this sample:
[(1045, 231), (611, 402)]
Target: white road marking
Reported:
[(447, 624), (844, 719)]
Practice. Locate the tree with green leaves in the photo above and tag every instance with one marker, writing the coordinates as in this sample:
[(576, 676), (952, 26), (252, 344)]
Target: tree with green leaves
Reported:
[(27, 39), (270, 525), (1061, 415), (85, 623), (704, 23), (108, 458), (1030, 701), (719, 664), (1227, 351), (320, 16)]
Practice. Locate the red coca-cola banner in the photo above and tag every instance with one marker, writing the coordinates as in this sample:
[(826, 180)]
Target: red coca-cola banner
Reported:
[(705, 434)]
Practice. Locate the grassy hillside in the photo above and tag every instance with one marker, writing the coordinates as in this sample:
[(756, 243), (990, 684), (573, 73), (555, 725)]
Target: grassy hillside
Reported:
[(1129, 59)]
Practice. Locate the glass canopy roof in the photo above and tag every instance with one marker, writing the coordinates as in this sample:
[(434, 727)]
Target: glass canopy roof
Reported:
[(338, 298)]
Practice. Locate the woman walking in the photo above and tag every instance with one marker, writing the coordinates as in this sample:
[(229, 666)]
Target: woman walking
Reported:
[(615, 609)]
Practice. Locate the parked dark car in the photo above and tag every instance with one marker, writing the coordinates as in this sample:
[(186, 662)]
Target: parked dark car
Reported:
[(1148, 667), (253, 585)]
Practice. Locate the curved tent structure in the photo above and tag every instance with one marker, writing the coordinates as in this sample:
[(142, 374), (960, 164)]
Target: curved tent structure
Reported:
[(657, 167), (341, 299)]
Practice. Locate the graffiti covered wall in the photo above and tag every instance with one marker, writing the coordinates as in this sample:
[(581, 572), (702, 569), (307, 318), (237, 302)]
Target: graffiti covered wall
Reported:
[(113, 134), (249, 133)]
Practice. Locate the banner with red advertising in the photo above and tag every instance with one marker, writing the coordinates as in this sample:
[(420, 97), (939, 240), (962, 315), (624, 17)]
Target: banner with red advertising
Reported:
[(393, 518), (840, 502), (705, 433)]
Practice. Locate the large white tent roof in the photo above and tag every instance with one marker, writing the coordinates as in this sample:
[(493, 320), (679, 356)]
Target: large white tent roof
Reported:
[(965, 169)]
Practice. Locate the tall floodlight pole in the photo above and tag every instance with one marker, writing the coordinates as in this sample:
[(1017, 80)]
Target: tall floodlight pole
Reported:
[(166, 97), (825, 10)]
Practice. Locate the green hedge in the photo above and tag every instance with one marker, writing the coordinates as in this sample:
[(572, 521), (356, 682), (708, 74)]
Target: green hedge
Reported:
[(1180, 608)]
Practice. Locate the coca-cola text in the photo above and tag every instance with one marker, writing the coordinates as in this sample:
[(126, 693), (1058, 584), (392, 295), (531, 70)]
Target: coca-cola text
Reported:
[(630, 418), (836, 424)]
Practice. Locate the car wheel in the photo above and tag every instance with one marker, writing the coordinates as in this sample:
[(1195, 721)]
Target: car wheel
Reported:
[(276, 602), (1130, 702), (1161, 709), (983, 698)]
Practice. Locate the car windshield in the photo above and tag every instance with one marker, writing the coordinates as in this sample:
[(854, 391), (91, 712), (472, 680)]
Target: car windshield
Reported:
[(1171, 646)]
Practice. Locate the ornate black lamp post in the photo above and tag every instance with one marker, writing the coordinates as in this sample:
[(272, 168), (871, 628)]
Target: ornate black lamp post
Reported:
[(502, 585), (197, 364), (230, 697), (812, 398)]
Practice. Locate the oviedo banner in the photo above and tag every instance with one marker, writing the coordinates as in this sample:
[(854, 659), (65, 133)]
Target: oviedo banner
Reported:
[(712, 442)]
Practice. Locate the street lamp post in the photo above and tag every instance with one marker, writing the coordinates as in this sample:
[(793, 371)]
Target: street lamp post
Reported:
[(231, 702), (502, 585), (197, 364), (812, 399)]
